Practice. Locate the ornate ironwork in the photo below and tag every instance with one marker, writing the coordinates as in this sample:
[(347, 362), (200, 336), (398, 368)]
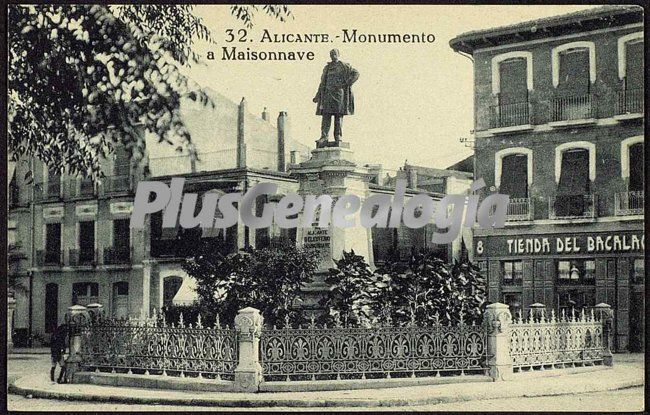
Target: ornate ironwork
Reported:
[(315, 351), (564, 341), (153, 347)]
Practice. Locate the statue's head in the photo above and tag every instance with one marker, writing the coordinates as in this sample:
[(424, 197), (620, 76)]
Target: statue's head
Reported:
[(334, 54)]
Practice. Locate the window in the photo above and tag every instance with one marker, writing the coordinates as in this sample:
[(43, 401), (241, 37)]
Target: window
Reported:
[(53, 184), (579, 271), (86, 241), (51, 307), (53, 243), (515, 180), (636, 158), (122, 163), (512, 272), (120, 307), (637, 271), (574, 65), (512, 79), (504, 168), (574, 184), (574, 71), (171, 285), (87, 186), (121, 236), (514, 303), (84, 293)]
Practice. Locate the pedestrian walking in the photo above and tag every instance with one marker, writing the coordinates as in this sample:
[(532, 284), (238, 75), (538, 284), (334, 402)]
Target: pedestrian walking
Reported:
[(57, 351)]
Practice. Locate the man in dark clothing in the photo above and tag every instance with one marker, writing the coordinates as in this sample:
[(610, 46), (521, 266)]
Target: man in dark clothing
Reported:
[(57, 350), (334, 96)]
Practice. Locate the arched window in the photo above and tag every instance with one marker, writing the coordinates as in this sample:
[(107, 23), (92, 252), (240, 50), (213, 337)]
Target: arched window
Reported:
[(513, 171), (575, 170)]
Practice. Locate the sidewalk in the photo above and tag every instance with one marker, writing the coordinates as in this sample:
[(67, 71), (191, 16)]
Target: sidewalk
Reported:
[(30, 350), (622, 375)]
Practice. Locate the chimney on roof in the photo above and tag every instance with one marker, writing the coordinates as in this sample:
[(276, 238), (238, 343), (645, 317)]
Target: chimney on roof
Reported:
[(282, 132), (265, 114), (241, 142), (294, 157), (412, 178)]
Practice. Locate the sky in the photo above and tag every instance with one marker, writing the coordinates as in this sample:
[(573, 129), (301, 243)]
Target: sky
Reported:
[(412, 101)]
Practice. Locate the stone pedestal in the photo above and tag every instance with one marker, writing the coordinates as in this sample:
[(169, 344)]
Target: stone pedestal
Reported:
[(497, 319), (604, 312), (76, 317), (11, 307), (248, 374), (332, 171)]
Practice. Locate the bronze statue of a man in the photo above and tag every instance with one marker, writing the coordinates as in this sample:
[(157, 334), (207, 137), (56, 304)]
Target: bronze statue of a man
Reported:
[(334, 96)]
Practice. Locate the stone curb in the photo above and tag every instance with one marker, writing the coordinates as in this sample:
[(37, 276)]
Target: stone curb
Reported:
[(264, 400)]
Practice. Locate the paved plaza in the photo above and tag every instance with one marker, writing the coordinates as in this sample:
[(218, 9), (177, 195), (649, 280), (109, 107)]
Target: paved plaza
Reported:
[(616, 389)]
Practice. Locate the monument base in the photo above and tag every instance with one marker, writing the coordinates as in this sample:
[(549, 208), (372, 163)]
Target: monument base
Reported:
[(329, 144)]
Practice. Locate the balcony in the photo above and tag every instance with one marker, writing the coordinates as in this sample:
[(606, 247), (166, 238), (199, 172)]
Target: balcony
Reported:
[(117, 256), (574, 108), (510, 115), (629, 203), (519, 209), (515, 279), (83, 257), (572, 207), (49, 258), (630, 102), (118, 184)]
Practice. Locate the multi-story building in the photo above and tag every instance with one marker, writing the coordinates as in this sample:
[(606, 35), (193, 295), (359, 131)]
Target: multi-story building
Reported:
[(75, 246), (559, 121)]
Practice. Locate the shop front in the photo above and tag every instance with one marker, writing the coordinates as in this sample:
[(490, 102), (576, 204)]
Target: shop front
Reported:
[(569, 272)]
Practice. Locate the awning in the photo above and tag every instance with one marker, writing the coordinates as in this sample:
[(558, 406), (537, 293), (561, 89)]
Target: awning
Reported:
[(186, 295)]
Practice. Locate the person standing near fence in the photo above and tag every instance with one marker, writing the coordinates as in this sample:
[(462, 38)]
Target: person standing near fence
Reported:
[(57, 351)]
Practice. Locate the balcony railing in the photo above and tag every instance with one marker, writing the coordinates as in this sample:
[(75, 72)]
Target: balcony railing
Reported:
[(629, 203), (82, 257), (510, 115), (630, 101), (572, 206), (515, 279), (115, 256), (578, 107), (49, 258), (519, 209), (121, 183)]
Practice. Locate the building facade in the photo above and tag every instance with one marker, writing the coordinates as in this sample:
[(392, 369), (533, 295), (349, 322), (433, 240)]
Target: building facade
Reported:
[(559, 126), (73, 243)]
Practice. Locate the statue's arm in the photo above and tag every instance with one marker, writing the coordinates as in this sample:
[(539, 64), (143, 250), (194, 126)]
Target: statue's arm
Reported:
[(320, 86), (354, 75)]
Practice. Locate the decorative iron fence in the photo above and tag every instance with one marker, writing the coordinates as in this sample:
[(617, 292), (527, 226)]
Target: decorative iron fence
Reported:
[(319, 353), (559, 342), (150, 346)]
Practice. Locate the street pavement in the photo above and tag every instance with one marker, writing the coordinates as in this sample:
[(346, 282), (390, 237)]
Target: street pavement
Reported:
[(628, 399)]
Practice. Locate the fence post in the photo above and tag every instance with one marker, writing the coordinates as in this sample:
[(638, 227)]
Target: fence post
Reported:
[(497, 321), (75, 318), (11, 307), (604, 312), (248, 374)]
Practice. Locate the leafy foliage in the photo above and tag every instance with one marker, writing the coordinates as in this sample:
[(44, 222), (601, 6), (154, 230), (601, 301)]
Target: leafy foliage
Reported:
[(423, 291), (350, 297), (84, 77), (269, 279)]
